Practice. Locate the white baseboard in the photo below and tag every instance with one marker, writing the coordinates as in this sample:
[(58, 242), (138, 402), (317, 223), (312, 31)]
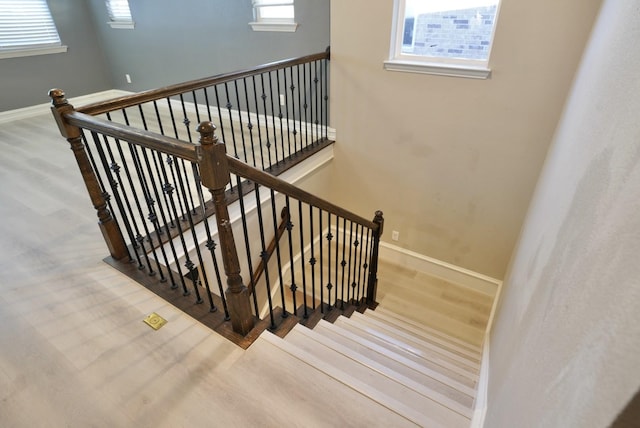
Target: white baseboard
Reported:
[(447, 271), (31, 111)]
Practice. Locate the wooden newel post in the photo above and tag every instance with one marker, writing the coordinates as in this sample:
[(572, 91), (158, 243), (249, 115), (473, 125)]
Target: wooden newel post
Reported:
[(108, 226), (214, 171), (372, 286)]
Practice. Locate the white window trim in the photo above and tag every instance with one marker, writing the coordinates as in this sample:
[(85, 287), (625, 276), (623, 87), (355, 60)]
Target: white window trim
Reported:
[(272, 24), (474, 69), (45, 50)]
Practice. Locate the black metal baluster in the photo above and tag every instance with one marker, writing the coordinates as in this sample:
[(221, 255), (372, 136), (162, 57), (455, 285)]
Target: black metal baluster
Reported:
[(266, 121), (305, 106), (366, 265), (361, 239), (215, 91), (304, 279), (293, 113), (293, 286), (278, 257), (229, 107), (281, 116), (249, 124), (325, 99), (312, 260), (211, 245), (244, 145), (299, 105), (169, 160), (316, 99), (337, 261), (329, 238), (350, 263), (114, 186), (343, 263), (255, 97), (354, 264), (321, 230), (265, 256), (273, 121), (195, 103), (243, 216), (195, 240)]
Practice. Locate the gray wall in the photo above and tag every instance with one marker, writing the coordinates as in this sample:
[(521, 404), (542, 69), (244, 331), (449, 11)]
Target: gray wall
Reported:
[(177, 41), (565, 344), (81, 70)]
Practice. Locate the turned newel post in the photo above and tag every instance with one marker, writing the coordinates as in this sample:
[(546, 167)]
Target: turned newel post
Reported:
[(372, 286), (108, 226), (214, 172)]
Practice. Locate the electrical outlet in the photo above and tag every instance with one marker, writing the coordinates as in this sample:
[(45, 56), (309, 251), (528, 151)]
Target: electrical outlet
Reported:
[(128, 77), (395, 235), (281, 99)]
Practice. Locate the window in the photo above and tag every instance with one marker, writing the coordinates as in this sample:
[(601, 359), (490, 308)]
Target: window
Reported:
[(447, 37), (273, 15), (27, 28), (119, 14)]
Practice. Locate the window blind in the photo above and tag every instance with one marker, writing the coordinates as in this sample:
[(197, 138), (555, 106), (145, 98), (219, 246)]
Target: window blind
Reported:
[(26, 24), (119, 10)]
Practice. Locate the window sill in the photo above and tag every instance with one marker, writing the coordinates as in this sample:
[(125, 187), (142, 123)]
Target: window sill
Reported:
[(438, 69), (122, 25), (288, 27), (32, 52)]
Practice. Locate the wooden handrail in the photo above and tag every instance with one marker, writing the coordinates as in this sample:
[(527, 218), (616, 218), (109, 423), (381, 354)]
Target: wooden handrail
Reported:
[(147, 139), (168, 91), (285, 216), (257, 176)]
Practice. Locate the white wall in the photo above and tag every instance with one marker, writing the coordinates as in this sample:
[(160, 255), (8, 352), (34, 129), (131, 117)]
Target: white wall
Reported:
[(566, 343), (452, 162)]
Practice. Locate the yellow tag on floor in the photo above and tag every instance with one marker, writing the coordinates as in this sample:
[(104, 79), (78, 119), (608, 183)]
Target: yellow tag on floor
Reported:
[(155, 321)]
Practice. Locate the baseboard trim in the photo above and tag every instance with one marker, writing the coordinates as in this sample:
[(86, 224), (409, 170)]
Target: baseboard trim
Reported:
[(31, 111), (444, 270)]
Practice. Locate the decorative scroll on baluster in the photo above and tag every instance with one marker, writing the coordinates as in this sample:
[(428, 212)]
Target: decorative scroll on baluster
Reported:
[(214, 172), (109, 228)]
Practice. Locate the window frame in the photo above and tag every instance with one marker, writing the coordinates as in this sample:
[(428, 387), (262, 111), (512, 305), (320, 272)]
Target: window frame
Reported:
[(260, 23), (124, 22), (32, 49), (443, 66)]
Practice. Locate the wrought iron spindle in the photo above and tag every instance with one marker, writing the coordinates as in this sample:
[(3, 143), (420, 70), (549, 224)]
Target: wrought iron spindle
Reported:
[(249, 124), (299, 105), (266, 122), (241, 127), (312, 260), (343, 263), (243, 217), (325, 99), (305, 106), (316, 98), (273, 121), (349, 264), (361, 239), (355, 265), (329, 238), (304, 279), (278, 257), (337, 261), (196, 106), (255, 98), (229, 107), (321, 230), (265, 256), (293, 286), (281, 116), (293, 112)]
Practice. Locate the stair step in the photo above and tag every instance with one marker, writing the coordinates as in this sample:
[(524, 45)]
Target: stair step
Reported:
[(313, 316), (439, 416), (418, 356), (412, 343), (349, 355), (426, 371), (464, 383), (415, 334), (283, 324), (393, 317)]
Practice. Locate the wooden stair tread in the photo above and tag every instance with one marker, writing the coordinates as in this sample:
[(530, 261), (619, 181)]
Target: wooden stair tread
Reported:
[(349, 356)]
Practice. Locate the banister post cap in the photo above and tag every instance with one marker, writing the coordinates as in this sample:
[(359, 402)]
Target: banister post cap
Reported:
[(58, 97), (207, 133)]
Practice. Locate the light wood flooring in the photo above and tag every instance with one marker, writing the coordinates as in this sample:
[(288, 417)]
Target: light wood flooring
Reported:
[(74, 350)]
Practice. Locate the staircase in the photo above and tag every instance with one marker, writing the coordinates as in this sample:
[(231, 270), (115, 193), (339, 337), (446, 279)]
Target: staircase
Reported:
[(419, 374)]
